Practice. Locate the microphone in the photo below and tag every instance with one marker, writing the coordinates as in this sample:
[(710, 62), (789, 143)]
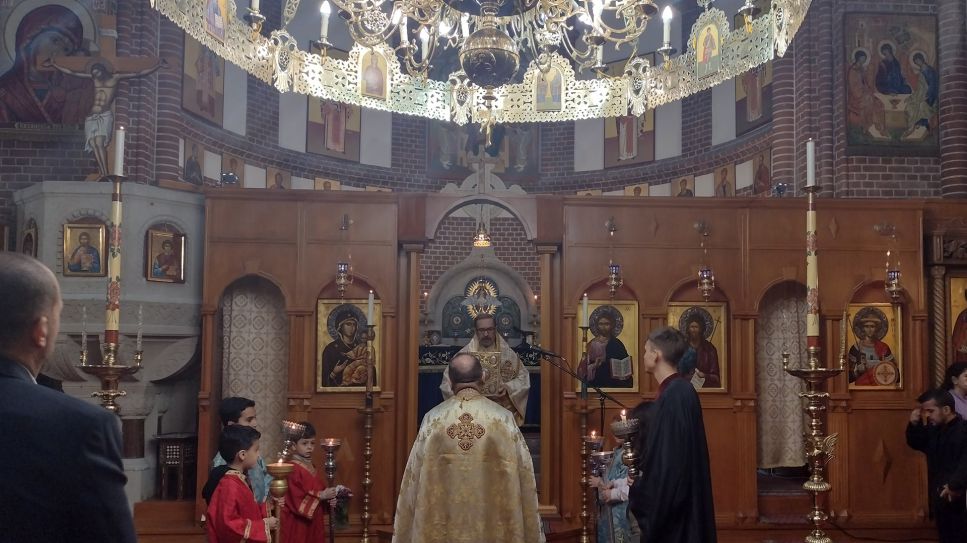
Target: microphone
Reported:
[(542, 352), (535, 348)]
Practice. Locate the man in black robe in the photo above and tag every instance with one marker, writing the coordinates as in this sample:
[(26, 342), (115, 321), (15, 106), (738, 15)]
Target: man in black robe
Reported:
[(672, 500), (938, 431)]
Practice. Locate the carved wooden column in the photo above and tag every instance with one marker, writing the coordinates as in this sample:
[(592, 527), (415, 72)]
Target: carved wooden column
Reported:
[(938, 318), (550, 378), (408, 379), (302, 365), (208, 422)]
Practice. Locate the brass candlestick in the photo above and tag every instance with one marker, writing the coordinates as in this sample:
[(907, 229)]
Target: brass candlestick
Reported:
[(819, 447), (582, 412), (368, 411), (280, 472), (110, 370), (626, 430), (585, 479), (594, 443), (331, 445)]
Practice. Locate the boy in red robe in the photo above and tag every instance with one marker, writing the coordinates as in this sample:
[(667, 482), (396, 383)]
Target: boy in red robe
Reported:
[(303, 520), (233, 514)]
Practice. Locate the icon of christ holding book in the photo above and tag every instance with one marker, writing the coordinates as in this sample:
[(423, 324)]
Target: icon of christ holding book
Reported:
[(607, 363)]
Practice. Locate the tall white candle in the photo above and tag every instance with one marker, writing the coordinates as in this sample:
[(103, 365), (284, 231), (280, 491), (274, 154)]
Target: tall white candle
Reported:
[(140, 327), (369, 309), (325, 10), (666, 19), (255, 5), (84, 328), (403, 37), (465, 24), (600, 54), (810, 163), (119, 151), (584, 316)]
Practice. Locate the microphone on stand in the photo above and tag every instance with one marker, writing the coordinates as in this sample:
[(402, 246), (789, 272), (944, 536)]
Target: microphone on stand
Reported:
[(535, 348), (542, 352)]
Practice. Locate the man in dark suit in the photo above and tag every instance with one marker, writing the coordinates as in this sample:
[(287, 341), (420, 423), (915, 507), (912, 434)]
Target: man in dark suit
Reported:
[(60, 460)]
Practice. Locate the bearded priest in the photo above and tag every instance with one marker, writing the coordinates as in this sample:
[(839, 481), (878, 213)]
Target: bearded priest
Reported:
[(506, 380)]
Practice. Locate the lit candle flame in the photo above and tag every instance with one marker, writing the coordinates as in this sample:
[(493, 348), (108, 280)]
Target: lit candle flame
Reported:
[(623, 416)]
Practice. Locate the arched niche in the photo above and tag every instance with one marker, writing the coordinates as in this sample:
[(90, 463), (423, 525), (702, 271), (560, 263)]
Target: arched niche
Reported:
[(252, 350), (450, 263), (780, 327)]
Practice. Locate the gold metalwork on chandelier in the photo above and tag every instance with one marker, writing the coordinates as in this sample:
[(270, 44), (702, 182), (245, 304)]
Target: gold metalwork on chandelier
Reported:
[(563, 37)]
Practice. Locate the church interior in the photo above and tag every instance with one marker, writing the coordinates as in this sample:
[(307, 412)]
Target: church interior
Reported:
[(243, 178)]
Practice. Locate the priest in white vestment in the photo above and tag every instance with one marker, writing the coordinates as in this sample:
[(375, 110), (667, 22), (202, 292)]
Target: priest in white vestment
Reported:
[(469, 478), (507, 381)]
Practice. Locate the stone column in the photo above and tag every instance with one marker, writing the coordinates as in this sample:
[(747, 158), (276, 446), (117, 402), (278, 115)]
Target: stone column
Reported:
[(952, 64)]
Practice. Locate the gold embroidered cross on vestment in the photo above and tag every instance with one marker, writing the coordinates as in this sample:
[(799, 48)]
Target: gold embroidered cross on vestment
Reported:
[(466, 431)]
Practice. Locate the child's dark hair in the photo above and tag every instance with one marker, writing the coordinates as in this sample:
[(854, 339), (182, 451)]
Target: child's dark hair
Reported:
[(230, 410), (308, 430), (953, 372), (236, 438)]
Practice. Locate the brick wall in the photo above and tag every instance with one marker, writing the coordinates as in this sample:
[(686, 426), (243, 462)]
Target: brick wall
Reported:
[(451, 245), (809, 101)]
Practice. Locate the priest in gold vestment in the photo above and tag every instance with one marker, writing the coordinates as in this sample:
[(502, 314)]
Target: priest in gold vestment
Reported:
[(507, 381), (469, 478)]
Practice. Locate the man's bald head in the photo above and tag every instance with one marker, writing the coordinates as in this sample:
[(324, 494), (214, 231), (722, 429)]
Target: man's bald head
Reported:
[(28, 294), (465, 369)]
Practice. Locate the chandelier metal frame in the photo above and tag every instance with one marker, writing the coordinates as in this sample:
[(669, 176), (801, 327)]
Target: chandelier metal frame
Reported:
[(278, 59)]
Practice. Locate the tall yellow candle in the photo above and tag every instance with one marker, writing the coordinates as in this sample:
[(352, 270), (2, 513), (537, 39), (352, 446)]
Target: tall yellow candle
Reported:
[(812, 272)]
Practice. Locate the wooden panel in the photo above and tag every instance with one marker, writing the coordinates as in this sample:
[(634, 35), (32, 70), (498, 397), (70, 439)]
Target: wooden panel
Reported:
[(293, 239)]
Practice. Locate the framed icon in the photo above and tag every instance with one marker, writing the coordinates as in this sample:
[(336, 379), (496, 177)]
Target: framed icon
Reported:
[(609, 358), (28, 239), (84, 250), (874, 355), (343, 351), (164, 256), (705, 364), (957, 319)]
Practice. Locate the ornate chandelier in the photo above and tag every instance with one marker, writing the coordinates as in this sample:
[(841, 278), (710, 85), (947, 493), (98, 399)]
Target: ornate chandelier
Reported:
[(510, 52)]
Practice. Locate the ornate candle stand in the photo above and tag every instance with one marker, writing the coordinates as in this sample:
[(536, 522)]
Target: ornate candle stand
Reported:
[(600, 461), (331, 445), (626, 430), (110, 371), (280, 472), (594, 443), (819, 447), (110, 374), (582, 412), (292, 432), (368, 411)]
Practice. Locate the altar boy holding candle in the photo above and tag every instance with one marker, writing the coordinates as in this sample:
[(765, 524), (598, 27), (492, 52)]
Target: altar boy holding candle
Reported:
[(303, 520), (233, 514)]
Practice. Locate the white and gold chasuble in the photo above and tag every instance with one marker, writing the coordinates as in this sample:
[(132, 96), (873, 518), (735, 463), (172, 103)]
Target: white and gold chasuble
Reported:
[(469, 478), (507, 381)]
